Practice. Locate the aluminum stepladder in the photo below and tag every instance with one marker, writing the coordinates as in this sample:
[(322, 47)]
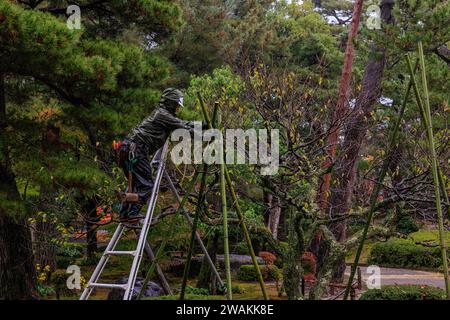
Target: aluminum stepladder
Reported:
[(159, 161)]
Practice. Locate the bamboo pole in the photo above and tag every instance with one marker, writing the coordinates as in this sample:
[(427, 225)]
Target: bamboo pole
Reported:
[(376, 191), (435, 167), (427, 122), (223, 195), (239, 213), (200, 206)]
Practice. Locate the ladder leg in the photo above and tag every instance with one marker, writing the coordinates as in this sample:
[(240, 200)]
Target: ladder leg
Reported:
[(103, 260), (162, 278), (149, 252), (145, 227), (197, 236)]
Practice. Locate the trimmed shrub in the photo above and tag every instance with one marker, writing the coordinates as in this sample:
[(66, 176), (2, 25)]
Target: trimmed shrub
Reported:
[(247, 272), (196, 291), (404, 292), (407, 225), (405, 254), (268, 257)]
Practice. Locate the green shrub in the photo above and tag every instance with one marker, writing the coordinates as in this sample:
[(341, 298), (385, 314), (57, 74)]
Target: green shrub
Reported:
[(405, 254), (407, 225), (64, 262), (196, 291), (404, 292), (241, 248), (44, 290), (70, 250), (67, 253), (59, 284), (248, 273)]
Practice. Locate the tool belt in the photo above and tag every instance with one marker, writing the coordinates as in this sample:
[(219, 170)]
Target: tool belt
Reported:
[(127, 150), (124, 150)]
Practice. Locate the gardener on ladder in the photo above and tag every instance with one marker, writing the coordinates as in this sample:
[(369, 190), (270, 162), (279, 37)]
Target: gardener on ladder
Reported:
[(145, 139)]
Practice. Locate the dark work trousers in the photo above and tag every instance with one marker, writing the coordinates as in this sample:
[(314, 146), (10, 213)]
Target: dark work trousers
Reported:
[(141, 175)]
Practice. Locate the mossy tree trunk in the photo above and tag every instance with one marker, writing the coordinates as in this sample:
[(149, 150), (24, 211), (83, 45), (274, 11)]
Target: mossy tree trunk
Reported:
[(274, 216), (335, 252), (292, 269), (206, 277)]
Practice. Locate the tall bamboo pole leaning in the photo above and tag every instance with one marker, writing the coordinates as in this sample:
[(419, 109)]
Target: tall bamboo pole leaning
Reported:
[(239, 212), (427, 122), (200, 204), (223, 194), (435, 167), (199, 208), (379, 182)]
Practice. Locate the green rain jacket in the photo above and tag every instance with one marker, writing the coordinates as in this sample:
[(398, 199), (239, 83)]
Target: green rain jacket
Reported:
[(153, 132)]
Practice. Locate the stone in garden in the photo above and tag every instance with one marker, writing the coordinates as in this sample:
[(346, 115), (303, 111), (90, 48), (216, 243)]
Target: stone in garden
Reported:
[(153, 290)]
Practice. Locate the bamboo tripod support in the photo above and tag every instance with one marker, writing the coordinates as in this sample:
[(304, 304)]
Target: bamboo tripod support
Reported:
[(439, 185), (226, 181)]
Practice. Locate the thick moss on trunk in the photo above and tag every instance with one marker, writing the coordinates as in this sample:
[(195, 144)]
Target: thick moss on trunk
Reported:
[(206, 278), (292, 269), (335, 252)]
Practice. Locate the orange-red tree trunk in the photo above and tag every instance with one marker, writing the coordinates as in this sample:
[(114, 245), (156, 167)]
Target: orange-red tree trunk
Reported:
[(341, 106)]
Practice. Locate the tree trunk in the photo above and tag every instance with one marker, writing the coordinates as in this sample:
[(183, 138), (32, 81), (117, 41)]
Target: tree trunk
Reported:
[(274, 215), (341, 106), (17, 275), (91, 219), (342, 190), (206, 278), (334, 252), (293, 271)]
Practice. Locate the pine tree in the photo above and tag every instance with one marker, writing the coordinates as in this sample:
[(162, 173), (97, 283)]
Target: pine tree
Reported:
[(97, 75)]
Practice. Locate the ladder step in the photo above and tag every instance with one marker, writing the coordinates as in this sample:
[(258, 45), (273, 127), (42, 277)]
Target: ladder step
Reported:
[(120, 253), (108, 285)]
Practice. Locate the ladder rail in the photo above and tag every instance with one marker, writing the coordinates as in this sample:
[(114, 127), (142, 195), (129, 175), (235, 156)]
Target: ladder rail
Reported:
[(146, 225), (159, 159), (102, 263)]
